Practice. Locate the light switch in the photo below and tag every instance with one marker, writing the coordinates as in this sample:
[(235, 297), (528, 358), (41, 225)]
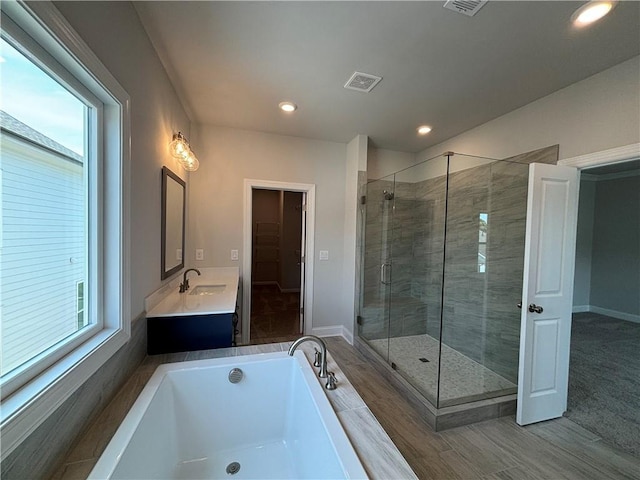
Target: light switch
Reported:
[(234, 254), (199, 254), (324, 254)]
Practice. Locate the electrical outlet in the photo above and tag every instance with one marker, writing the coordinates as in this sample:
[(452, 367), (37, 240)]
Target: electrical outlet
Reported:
[(234, 254), (199, 254), (324, 254), (178, 254)]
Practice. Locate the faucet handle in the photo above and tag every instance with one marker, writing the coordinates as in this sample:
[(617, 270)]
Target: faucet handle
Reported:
[(316, 362), (331, 381)]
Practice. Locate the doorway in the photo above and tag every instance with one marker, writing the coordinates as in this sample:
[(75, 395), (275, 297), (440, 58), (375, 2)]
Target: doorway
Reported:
[(277, 275), (277, 244), (604, 360)]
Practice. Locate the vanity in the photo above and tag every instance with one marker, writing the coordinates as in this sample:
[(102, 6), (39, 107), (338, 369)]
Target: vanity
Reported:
[(201, 318)]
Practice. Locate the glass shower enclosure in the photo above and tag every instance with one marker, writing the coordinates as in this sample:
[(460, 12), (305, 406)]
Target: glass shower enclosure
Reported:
[(442, 265)]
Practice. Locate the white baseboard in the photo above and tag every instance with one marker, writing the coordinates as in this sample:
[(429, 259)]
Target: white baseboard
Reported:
[(629, 317), (347, 335), (334, 331)]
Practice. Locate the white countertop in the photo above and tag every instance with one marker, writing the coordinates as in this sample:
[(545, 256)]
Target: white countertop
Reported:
[(217, 294)]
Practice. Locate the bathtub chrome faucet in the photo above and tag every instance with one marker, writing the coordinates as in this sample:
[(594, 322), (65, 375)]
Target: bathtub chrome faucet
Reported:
[(323, 351), (184, 286)]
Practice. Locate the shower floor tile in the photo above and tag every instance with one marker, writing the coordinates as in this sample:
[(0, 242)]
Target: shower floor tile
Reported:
[(462, 379)]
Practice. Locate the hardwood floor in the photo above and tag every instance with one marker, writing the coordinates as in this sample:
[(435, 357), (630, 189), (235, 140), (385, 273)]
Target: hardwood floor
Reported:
[(491, 450), (275, 316)]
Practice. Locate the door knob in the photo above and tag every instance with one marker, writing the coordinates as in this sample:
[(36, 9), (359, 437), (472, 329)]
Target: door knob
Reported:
[(535, 308)]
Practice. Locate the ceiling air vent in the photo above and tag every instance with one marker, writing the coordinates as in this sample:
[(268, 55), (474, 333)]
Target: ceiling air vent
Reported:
[(468, 7), (362, 82)]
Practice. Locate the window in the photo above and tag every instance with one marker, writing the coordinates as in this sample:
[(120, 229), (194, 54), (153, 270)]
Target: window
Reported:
[(44, 212), (64, 189), (482, 242)]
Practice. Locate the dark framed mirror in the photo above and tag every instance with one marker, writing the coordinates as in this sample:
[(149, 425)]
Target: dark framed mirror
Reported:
[(173, 223)]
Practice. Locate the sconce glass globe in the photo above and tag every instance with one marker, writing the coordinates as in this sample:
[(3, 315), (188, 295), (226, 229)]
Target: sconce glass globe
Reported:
[(179, 148), (190, 163)]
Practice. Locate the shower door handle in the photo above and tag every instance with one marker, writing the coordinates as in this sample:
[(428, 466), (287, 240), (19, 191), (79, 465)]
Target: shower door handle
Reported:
[(383, 273)]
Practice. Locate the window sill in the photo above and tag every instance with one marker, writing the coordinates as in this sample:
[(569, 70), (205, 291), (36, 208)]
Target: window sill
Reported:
[(30, 406)]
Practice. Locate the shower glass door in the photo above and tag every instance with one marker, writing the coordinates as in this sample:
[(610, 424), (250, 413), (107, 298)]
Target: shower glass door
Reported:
[(376, 281), (416, 290)]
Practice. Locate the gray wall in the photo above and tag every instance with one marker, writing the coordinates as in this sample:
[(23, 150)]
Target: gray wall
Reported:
[(615, 265), (114, 33), (584, 241)]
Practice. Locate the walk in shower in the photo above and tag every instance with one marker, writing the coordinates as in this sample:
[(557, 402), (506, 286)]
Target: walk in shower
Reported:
[(441, 275)]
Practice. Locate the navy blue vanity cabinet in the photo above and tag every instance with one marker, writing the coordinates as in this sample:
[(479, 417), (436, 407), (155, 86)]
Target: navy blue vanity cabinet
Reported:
[(189, 333)]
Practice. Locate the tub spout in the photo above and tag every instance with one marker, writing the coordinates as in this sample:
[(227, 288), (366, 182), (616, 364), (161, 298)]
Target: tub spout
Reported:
[(323, 351)]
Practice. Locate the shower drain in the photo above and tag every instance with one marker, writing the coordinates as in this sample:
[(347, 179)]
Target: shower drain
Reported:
[(233, 468)]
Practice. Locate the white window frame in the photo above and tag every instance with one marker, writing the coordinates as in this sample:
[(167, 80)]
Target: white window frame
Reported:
[(31, 403)]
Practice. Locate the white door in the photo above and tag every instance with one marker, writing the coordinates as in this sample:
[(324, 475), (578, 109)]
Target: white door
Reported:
[(547, 292), (303, 253)]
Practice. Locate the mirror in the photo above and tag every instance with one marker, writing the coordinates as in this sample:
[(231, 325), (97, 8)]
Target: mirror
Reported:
[(173, 213)]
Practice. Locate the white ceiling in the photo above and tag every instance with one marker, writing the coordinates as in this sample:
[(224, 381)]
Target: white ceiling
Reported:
[(233, 62)]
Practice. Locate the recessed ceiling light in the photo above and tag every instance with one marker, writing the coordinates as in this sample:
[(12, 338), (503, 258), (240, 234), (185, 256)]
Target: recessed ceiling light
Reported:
[(423, 129), (592, 11), (287, 107)]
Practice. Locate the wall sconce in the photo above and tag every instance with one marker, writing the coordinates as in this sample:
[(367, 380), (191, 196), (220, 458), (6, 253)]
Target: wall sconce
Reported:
[(181, 151)]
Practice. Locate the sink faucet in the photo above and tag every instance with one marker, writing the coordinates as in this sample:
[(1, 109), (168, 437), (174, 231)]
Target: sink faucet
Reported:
[(323, 351), (184, 286)]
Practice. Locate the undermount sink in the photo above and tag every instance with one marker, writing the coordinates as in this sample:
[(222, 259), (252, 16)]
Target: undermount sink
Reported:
[(208, 289)]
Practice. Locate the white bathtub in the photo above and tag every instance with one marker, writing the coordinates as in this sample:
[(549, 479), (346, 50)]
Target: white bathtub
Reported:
[(190, 421)]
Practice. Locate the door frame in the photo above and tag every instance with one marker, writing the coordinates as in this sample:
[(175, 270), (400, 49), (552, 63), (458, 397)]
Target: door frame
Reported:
[(310, 190), (604, 157)]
